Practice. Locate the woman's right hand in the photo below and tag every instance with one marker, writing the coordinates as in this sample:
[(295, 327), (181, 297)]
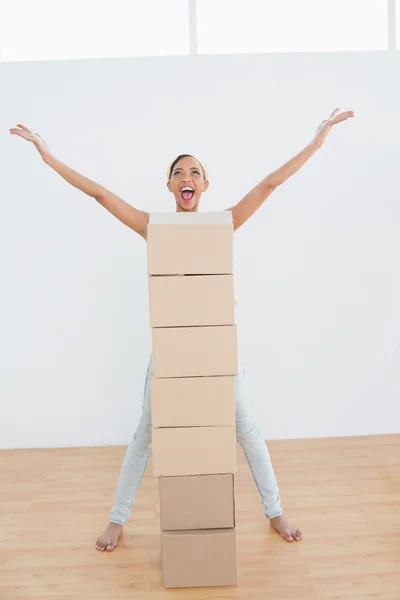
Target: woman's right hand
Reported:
[(35, 138), (126, 213)]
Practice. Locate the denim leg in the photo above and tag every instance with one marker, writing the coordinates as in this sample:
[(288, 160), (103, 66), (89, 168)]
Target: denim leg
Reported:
[(255, 450), (135, 461)]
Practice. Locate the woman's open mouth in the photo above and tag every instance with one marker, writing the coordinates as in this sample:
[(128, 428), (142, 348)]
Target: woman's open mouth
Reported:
[(187, 194)]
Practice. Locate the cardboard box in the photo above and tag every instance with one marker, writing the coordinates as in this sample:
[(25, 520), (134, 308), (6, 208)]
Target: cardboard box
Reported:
[(193, 401), (191, 300), (195, 351), (190, 243), (215, 217), (194, 451), (197, 502), (199, 558)]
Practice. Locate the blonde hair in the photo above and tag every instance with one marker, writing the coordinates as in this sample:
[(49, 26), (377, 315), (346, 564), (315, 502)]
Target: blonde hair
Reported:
[(178, 158)]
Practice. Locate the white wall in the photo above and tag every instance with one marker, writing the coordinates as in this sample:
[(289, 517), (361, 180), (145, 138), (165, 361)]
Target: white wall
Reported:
[(317, 268)]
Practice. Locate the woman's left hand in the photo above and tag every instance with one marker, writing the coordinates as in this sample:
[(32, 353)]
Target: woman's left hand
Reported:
[(326, 126)]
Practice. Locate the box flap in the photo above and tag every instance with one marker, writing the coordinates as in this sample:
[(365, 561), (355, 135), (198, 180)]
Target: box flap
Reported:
[(191, 218)]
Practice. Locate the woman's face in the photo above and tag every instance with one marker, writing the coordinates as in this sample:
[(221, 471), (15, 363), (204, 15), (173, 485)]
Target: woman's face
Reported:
[(187, 183)]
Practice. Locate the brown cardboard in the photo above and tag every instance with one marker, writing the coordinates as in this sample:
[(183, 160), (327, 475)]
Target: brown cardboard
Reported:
[(190, 249), (197, 502), (191, 300), (194, 451), (193, 401), (221, 217), (195, 351), (199, 558)]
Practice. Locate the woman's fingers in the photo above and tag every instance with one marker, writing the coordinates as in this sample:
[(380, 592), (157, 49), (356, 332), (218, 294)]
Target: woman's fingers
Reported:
[(23, 127), (18, 132), (343, 116), (21, 133)]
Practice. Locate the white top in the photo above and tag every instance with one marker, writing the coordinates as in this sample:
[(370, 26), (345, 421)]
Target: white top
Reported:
[(191, 218)]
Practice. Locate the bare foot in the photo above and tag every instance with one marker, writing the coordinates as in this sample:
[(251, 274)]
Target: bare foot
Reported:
[(289, 532), (109, 539)]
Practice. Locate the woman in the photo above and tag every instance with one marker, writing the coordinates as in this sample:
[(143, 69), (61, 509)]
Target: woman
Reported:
[(187, 180)]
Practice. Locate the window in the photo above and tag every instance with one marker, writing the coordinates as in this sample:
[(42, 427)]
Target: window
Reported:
[(72, 29), (54, 29), (244, 26)]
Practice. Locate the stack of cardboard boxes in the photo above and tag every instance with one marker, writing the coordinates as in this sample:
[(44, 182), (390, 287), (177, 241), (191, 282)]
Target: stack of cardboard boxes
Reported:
[(190, 267)]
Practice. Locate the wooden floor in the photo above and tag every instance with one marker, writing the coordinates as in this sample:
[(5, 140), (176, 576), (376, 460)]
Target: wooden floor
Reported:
[(344, 494)]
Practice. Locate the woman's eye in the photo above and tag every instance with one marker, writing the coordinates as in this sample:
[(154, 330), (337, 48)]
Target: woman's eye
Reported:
[(196, 172)]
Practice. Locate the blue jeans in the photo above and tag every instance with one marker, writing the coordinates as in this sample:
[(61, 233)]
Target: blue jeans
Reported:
[(247, 434)]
